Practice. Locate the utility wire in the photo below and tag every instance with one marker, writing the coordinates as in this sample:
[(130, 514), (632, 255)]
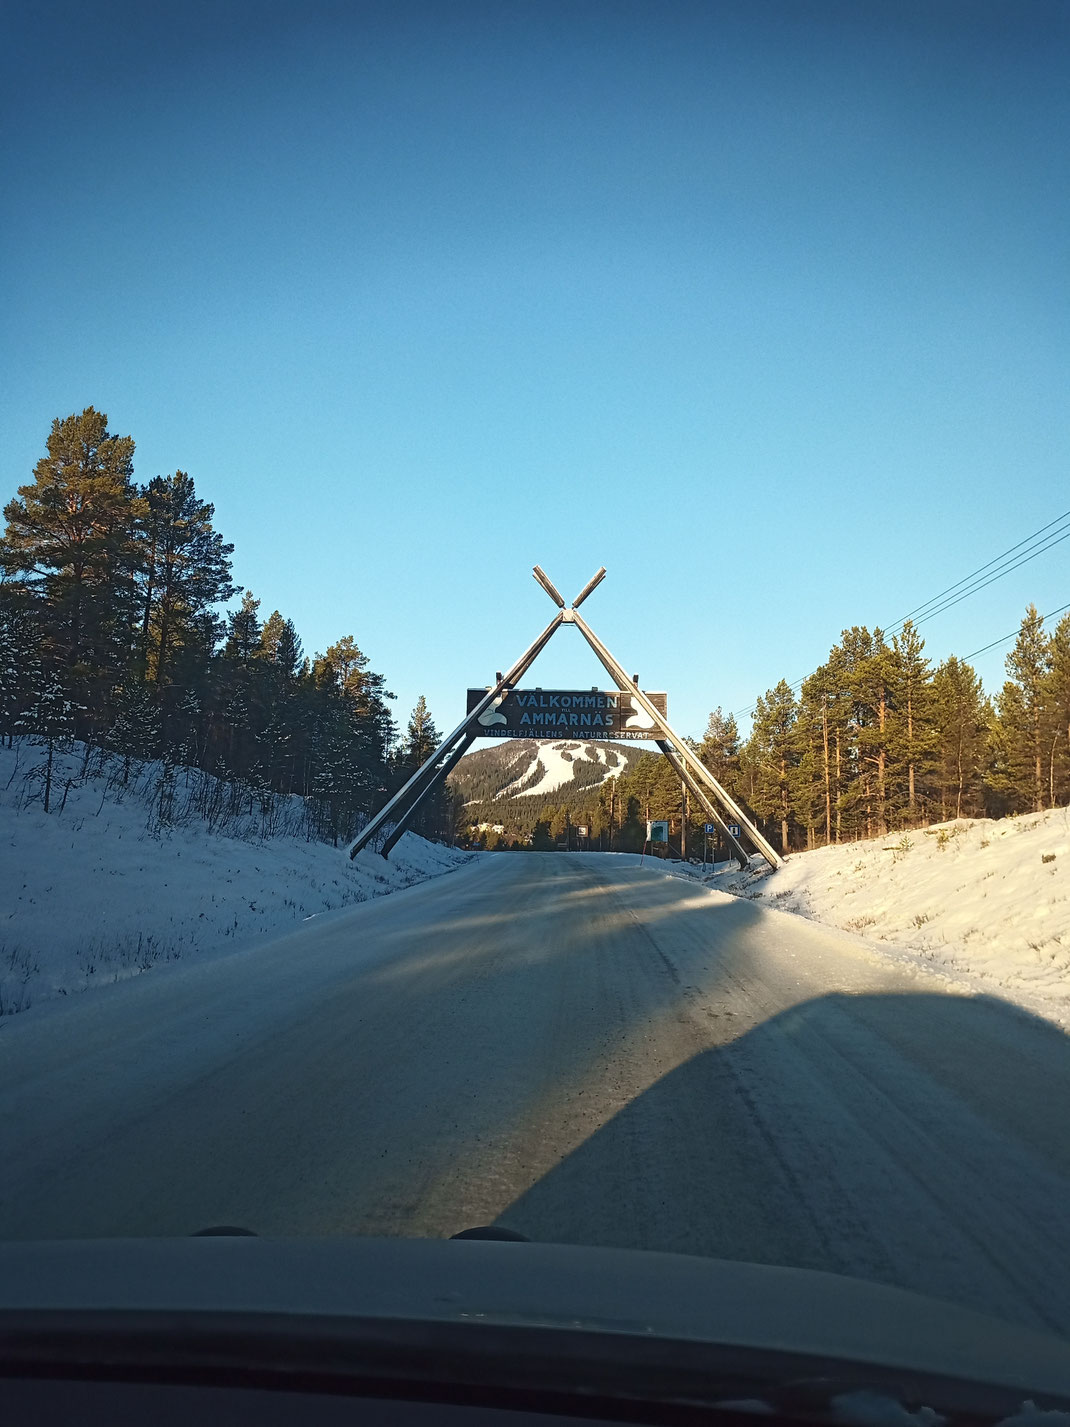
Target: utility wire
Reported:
[(1023, 559), (1013, 634), (1036, 544), (965, 580)]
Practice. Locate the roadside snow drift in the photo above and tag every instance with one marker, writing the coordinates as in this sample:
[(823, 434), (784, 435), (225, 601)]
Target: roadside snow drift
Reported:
[(986, 901), (99, 890)]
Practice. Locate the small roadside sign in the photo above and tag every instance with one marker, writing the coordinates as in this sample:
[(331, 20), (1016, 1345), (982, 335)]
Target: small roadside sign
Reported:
[(735, 829), (657, 832), (708, 827)]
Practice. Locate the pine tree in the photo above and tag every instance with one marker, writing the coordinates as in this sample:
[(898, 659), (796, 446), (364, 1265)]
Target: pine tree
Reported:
[(1058, 711), (185, 570), (824, 704), (653, 783), (271, 635), (70, 543), (343, 671), (666, 791), (187, 735), (1022, 716), (719, 749), (288, 651), (342, 778), (606, 817), (772, 748), (235, 717), (862, 666), (10, 679), (434, 816), (422, 737), (280, 645), (134, 733), (631, 832), (20, 669), (243, 630), (960, 719), (911, 739), (345, 667), (119, 590), (49, 721), (273, 748), (808, 792), (877, 740)]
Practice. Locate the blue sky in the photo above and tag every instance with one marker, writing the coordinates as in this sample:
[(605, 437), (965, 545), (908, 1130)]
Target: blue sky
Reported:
[(764, 306)]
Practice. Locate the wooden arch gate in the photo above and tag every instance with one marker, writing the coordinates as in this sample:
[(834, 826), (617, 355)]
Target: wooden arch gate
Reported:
[(720, 807)]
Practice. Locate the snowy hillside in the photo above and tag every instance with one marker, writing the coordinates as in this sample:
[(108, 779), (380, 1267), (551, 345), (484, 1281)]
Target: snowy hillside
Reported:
[(524, 768), (559, 763), (986, 901), (97, 890)]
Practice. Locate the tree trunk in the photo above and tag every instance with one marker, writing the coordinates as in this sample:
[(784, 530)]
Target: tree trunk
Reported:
[(161, 655), (911, 812), (48, 775), (838, 785), (958, 794), (76, 613), (882, 805), (1051, 771), (147, 617), (1038, 772), (828, 783), (784, 807)]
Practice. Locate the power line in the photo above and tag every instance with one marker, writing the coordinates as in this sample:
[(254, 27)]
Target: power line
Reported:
[(966, 578), (1036, 544), (1016, 564), (986, 647)]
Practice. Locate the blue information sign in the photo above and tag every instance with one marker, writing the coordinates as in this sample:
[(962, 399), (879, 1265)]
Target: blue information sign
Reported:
[(735, 829)]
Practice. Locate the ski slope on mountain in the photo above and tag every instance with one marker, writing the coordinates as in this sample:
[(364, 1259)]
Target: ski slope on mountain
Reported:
[(513, 780), (97, 891), (559, 762)]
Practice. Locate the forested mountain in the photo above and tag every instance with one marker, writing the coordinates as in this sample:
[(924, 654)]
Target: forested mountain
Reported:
[(111, 631), (517, 783)]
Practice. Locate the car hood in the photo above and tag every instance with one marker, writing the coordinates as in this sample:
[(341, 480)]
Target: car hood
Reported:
[(708, 1329)]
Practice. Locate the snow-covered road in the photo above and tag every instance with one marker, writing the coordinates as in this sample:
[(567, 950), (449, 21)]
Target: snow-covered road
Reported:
[(577, 1047)]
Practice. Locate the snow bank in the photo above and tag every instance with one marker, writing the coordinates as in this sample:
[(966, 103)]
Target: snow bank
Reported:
[(100, 891), (987, 903)]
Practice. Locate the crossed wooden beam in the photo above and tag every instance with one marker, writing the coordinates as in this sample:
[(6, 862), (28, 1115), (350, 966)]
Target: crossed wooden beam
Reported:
[(704, 788)]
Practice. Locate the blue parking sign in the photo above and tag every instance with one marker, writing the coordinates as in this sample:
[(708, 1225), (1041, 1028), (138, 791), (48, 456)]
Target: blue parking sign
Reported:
[(708, 827)]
